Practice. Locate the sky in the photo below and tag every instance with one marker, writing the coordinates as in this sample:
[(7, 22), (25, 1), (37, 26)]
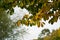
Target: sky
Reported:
[(34, 31)]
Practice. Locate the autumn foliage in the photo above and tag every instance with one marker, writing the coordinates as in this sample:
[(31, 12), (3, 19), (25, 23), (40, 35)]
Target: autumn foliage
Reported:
[(38, 8)]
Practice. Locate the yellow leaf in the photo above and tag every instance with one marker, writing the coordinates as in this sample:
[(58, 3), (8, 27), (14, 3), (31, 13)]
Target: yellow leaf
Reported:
[(18, 23)]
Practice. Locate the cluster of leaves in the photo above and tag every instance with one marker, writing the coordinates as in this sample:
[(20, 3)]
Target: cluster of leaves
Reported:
[(41, 9), (33, 21), (55, 35), (38, 8), (6, 25), (42, 34)]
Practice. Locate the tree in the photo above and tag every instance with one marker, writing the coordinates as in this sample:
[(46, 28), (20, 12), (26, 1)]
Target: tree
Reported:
[(55, 35), (44, 32), (6, 25), (18, 34), (38, 8)]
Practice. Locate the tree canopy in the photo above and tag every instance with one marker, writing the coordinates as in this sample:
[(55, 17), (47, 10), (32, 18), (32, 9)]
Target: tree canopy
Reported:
[(38, 8)]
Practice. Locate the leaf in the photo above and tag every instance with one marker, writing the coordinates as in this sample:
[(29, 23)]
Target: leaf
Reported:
[(27, 22), (42, 24), (54, 19), (18, 23), (11, 11), (38, 24), (21, 4), (31, 25)]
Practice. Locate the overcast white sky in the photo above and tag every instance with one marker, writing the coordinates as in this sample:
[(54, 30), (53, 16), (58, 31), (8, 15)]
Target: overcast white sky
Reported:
[(33, 31)]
